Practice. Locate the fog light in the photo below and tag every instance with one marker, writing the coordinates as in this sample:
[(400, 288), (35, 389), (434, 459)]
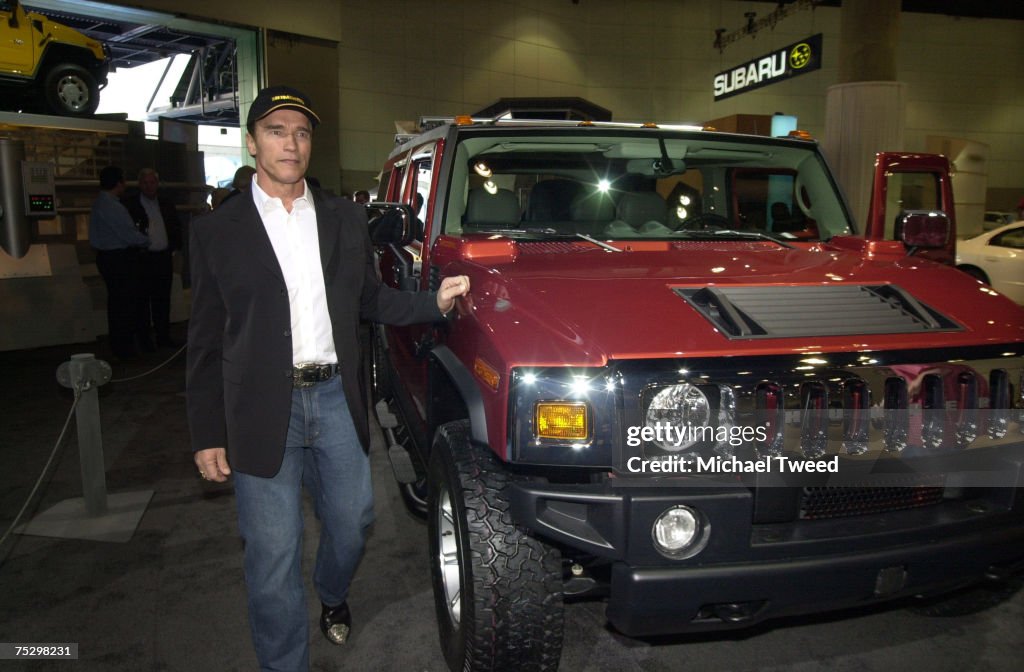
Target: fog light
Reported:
[(562, 421), (679, 533)]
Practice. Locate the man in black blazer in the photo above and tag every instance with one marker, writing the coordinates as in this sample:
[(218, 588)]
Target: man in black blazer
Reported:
[(280, 280), (156, 217)]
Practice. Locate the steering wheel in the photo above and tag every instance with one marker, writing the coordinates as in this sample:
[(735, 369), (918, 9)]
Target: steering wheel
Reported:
[(705, 220)]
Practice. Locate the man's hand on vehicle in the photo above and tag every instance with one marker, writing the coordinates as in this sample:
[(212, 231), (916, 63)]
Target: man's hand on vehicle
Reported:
[(451, 287)]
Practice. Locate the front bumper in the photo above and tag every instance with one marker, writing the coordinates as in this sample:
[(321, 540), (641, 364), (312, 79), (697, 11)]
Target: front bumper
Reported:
[(657, 601), (758, 564)]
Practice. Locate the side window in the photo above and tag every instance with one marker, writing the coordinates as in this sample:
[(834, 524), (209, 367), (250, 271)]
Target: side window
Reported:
[(383, 184), (909, 191), (1014, 239), (394, 192), (422, 168)]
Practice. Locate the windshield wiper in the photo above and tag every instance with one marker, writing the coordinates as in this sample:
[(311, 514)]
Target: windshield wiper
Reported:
[(554, 233), (547, 232), (742, 234), (600, 243)]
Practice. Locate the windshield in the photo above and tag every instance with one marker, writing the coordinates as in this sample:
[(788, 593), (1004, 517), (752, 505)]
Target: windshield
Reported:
[(623, 185)]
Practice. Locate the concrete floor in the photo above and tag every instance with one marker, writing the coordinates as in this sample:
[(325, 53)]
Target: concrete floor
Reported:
[(172, 598)]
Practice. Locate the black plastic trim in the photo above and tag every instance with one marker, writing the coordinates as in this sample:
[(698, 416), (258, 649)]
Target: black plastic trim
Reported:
[(463, 380)]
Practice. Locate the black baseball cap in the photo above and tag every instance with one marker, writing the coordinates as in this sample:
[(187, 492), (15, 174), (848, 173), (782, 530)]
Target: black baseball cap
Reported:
[(278, 98)]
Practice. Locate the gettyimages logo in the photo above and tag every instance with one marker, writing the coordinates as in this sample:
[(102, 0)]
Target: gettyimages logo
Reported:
[(672, 437)]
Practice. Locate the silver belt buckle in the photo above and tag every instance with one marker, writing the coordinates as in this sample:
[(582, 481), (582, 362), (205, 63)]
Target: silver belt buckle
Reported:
[(298, 377)]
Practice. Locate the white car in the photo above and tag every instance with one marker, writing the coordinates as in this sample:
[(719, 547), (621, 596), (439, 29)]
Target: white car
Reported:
[(995, 219), (997, 258)]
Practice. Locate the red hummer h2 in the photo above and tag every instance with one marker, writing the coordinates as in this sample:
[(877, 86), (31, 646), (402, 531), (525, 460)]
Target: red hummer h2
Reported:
[(681, 384)]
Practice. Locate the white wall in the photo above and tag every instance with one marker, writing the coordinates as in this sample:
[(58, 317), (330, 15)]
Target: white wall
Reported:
[(643, 59), (654, 60)]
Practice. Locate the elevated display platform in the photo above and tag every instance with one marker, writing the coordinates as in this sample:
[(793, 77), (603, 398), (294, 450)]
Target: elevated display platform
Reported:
[(20, 120)]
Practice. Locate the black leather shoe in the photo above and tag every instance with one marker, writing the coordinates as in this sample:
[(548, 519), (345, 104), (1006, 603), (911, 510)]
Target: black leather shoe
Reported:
[(336, 623)]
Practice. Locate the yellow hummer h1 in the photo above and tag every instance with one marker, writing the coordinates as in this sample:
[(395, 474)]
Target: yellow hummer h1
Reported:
[(47, 65)]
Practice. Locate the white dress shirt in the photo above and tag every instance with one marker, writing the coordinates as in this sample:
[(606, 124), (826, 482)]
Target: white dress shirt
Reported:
[(157, 230), (297, 246)]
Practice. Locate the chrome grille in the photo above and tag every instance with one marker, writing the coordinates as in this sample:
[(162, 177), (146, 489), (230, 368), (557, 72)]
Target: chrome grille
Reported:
[(855, 405)]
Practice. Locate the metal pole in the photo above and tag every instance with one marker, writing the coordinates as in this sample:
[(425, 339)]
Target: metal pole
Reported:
[(16, 229), (85, 374)]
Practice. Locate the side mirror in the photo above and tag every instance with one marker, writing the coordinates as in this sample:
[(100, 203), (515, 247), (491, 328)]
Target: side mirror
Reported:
[(927, 229), (391, 223)]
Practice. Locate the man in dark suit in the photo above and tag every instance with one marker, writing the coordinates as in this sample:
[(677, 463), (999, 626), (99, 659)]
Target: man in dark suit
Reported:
[(156, 217), (118, 245), (280, 279)]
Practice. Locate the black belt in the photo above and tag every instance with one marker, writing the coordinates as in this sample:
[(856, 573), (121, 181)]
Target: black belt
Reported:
[(305, 375)]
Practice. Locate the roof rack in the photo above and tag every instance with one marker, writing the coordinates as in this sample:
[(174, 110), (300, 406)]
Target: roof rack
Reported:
[(428, 123)]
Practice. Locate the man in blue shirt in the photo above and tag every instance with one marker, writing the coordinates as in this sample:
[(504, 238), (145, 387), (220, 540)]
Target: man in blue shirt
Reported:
[(118, 245)]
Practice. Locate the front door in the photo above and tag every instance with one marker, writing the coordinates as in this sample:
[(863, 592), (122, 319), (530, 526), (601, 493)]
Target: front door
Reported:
[(911, 182)]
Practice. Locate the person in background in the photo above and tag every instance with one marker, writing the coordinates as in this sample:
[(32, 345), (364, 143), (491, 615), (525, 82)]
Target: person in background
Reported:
[(274, 389), (240, 183), (155, 216), (119, 246), (217, 196), (361, 197)]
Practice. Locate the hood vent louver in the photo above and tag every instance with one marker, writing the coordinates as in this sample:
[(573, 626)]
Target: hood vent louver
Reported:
[(744, 312)]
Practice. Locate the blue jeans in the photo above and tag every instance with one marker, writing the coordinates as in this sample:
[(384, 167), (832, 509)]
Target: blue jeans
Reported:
[(323, 452)]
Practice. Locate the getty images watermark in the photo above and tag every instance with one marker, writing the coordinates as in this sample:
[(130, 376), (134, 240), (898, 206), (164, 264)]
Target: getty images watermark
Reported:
[(672, 437), (862, 447)]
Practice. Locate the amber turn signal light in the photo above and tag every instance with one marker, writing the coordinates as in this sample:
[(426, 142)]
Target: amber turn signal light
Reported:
[(562, 421)]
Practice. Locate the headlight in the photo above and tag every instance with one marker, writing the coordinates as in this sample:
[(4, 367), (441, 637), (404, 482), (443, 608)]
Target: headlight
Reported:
[(680, 406), (679, 532)]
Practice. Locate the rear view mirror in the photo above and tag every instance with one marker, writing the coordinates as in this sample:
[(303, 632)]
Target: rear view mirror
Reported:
[(927, 229)]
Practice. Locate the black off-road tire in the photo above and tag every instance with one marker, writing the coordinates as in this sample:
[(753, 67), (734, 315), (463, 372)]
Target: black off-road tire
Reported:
[(499, 607), (970, 600), (70, 90)]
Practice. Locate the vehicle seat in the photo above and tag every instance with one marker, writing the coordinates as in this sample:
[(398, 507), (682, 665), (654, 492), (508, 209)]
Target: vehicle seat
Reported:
[(551, 200), (484, 210), (639, 213), (592, 212), (783, 220)]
